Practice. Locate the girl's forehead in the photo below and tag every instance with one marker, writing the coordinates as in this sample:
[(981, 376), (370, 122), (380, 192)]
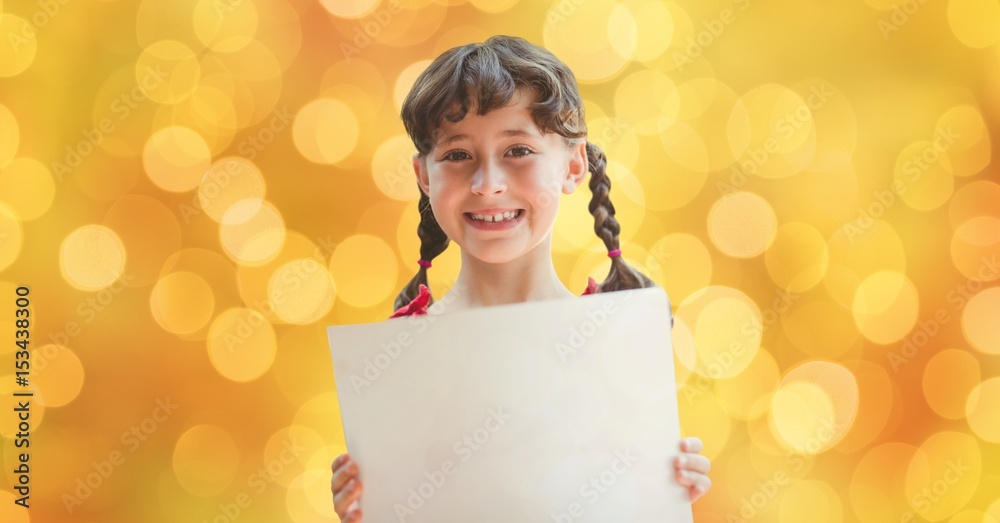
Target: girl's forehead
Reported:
[(503, 121)]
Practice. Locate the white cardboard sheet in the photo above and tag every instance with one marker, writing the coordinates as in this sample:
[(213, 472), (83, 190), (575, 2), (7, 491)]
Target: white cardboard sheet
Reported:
[(558, 411)]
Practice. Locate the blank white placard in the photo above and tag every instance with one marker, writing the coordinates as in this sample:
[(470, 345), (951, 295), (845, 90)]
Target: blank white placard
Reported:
[(558, 411)]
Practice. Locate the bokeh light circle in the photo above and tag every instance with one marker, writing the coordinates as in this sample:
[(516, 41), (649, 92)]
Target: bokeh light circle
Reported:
[(980, 198), (972, 516), (365, 270), (230, 180), (821, 328), (744, 395), (983, 410), (654, 29), (949, 377), (979, 321), (742, 224), (301, 291), (10, 135), (205, 460), (704, 416), (974, 248), (667, 184), (493, 6), (12, 234), (797, 259), (726, 329), (291, 446), (877, 484), (325, 131), (167, 71), (967, 139), (682, 262), (241, 344), (405, 81), (58, 374), (923, 176), (225, 27), (596, 39), (976, 23), (857, 252), (92, 257), (646, 101), (810, 500), (835, 120), (252, 232), (699, 137), (182, 302), (885, 307), (799, 410), (175, 158), (392, 169), (815, 406), (944, 474), (875, 405), (18, 47), (26, 186), (780, 139), (350, 9)]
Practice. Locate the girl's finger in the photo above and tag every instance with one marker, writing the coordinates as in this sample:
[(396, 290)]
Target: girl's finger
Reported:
[(693, 462), (684, 477), (701, 485), (691, 444), (697, 484), (338, 462), (342, 500), (344, 473)]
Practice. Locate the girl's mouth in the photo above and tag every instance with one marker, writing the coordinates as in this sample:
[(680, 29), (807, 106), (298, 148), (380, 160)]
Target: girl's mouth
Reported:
[(489, 223)]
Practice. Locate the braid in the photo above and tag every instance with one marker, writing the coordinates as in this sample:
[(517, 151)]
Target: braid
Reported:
[(622, 276), (433, 241)]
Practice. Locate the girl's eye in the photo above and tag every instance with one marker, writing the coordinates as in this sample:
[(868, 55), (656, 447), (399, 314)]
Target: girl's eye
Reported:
[(524, 151), (521, 148), (450, 156)]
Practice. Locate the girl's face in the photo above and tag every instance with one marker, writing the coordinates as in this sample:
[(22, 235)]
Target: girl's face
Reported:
[(494, 181)]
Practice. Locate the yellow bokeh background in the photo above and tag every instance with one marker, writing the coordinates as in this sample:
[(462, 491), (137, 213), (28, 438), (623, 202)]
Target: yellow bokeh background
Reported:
[(192, 190)]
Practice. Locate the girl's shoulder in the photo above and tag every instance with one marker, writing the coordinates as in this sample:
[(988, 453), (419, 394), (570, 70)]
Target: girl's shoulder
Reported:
[(418, 305)]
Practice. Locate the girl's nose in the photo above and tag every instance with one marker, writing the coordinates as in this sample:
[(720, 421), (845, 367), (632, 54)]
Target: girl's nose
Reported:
[(489, 179)]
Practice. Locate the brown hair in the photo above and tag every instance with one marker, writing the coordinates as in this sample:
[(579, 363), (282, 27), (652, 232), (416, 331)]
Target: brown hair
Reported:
[(492, 71)]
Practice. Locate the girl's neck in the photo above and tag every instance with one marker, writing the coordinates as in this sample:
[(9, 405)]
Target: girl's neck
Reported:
[(529, 278)]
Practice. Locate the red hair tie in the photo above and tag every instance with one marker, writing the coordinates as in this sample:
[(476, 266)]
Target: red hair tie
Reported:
[(616, 252), (424, 263)]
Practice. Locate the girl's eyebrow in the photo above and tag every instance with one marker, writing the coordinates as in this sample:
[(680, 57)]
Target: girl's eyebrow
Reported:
[(502, 134)]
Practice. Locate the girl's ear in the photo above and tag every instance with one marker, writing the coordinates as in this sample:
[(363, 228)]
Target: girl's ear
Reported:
[(576, 167), (420, 168)]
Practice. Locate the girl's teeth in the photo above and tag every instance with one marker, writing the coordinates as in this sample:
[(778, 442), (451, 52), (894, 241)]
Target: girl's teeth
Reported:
[(495, 217)]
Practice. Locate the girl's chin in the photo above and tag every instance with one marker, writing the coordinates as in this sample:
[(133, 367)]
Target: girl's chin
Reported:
[(492, 254)]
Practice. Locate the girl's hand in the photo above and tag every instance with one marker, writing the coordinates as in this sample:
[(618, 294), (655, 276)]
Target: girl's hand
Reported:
[(346, 489), (692, 468)]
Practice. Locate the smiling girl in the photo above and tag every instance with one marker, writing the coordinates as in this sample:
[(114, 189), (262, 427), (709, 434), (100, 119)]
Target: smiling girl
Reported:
[(500, 134)]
